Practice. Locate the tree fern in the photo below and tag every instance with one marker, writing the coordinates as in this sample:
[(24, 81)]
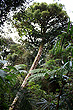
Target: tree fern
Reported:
[(38, 73), (42, 73), (45, 73)]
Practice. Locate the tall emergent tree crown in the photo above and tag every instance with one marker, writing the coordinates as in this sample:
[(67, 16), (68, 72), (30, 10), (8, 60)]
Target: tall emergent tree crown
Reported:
[(41, 20)]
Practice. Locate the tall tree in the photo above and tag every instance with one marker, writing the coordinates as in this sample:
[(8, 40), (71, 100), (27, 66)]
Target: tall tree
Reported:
[(40, 23)]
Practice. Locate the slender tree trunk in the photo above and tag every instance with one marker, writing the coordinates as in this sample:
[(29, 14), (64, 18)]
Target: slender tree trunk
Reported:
[(34, 65)]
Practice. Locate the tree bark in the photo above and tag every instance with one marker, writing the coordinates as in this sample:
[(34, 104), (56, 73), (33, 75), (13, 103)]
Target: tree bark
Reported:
[(34, 65)]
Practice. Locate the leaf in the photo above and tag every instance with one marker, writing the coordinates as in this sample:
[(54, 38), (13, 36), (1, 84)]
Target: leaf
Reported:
[(2, 73), (20, 66), (71, 31), (57, 90), (11, 67), (65, 64), (38, 70), (6, 70), (68, 26), (3, 61), (9, 78), (46, 76), (36, 77)]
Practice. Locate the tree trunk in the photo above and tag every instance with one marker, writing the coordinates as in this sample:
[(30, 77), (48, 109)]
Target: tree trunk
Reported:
[(34, 65)]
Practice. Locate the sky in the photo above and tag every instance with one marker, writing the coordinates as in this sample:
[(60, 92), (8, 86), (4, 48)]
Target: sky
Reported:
[(68, 7)]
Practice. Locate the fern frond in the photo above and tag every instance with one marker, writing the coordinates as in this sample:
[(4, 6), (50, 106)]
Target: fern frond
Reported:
[(36, 77), (41, 73), (38, 70)]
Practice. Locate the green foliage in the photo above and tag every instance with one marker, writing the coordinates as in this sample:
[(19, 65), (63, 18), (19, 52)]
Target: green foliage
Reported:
[(50, 87), (21, 54), (41, 20), (20, 66), (37, 76), (47, 85), (63, 47), (10, 81), (54, 80)]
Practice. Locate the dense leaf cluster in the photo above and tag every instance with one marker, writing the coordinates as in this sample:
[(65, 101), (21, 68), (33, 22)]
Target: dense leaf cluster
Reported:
[(41, 22), (7, 5)]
